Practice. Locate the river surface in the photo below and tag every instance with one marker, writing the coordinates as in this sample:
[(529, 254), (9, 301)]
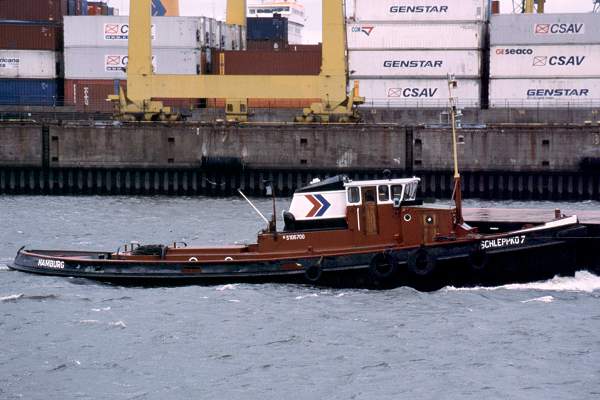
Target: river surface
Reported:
[(66, 338)]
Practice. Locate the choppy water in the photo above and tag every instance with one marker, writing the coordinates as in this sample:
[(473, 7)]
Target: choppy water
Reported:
[(74, 339)]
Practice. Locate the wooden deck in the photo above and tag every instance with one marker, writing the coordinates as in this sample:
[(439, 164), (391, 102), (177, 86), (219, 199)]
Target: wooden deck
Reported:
[(530, 215)]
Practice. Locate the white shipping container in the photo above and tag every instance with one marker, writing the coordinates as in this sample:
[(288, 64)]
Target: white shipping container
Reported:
[(414, 63), (419, 10), (232, 37), (408, 93), (414, 36), (572, 28), (30, 64), (506, 93), (545, 61), (109, 63), (215, 34), (113, 31)]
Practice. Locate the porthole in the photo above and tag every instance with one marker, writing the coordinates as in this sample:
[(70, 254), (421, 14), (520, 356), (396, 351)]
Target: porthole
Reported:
[(407, 217), (429, 219)]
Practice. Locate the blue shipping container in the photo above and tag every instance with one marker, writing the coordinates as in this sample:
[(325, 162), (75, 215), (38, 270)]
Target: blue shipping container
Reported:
[(275, 28), (29, 92), (77, 7)]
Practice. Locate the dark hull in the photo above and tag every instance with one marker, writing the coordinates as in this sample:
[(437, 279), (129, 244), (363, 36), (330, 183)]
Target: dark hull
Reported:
[(516, 257)]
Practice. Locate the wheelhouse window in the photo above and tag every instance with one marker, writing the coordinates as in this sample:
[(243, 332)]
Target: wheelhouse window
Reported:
[(411, 191), (353, 195), (397, 192), (370, 195), (383, 193)]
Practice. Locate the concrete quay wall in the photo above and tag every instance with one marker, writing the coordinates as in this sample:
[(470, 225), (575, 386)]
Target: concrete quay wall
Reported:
[(499, 161)]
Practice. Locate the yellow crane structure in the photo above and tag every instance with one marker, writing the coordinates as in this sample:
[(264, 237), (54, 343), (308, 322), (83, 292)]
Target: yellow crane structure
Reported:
[(531, 6), (330, 85)]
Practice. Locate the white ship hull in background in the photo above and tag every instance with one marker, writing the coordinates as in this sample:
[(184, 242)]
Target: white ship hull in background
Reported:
[(417, 10)]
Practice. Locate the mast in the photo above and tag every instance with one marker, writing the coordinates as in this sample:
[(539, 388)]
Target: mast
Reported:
[(457, 193)]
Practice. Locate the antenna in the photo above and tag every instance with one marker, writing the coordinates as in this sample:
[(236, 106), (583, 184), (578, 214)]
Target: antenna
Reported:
[(455, 114), (255, 209)]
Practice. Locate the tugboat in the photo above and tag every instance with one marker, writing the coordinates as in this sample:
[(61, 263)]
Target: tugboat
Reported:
[(344, 233)]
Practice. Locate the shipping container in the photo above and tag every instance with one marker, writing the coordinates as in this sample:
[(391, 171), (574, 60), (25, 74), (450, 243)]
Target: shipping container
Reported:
[(90, 95), (545, 61), (414, 36), (417, 93), (275, 28), (531, 29), (31, 92), (267, 45), (267, 62), (113, 31), (30, 36), (414, 63), (267, 103), (419, 10), (215, 33), (77, 7), (507, 93), (33, 10), (99, 8), (30, 64), (110, 63)]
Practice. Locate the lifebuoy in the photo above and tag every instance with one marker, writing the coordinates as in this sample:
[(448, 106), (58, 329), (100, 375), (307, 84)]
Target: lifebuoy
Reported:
[(383, 266), (313, 272), (478, 259), (421, 262)]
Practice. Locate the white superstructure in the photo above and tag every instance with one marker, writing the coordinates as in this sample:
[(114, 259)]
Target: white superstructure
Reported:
[(290, 9)]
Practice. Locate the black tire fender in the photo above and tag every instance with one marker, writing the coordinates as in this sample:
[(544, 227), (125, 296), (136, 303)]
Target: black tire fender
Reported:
[(421, 262), (478, 259), (313, 272), (383, 266)]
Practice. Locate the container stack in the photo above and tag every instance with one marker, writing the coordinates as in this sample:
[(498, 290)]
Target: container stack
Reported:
[(267, 33), (98, 8), (401, 53), (31, 50), (545, 60), (96, 53)]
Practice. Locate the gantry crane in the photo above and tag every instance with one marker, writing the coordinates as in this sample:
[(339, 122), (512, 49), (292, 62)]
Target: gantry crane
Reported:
[(330, 86), (529, 6)]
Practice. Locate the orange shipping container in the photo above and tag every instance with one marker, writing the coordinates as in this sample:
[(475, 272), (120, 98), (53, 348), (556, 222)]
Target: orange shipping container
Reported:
[(89, 95), (306, 62), (30, 36)]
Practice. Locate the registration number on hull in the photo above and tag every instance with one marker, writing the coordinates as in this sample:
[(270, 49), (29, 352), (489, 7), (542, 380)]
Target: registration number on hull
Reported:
[(54, 264), (502, 242), (298, 236)]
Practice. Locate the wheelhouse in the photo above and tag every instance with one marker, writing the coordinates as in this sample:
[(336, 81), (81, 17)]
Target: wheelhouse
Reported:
[(389, 191), (327, 203)]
